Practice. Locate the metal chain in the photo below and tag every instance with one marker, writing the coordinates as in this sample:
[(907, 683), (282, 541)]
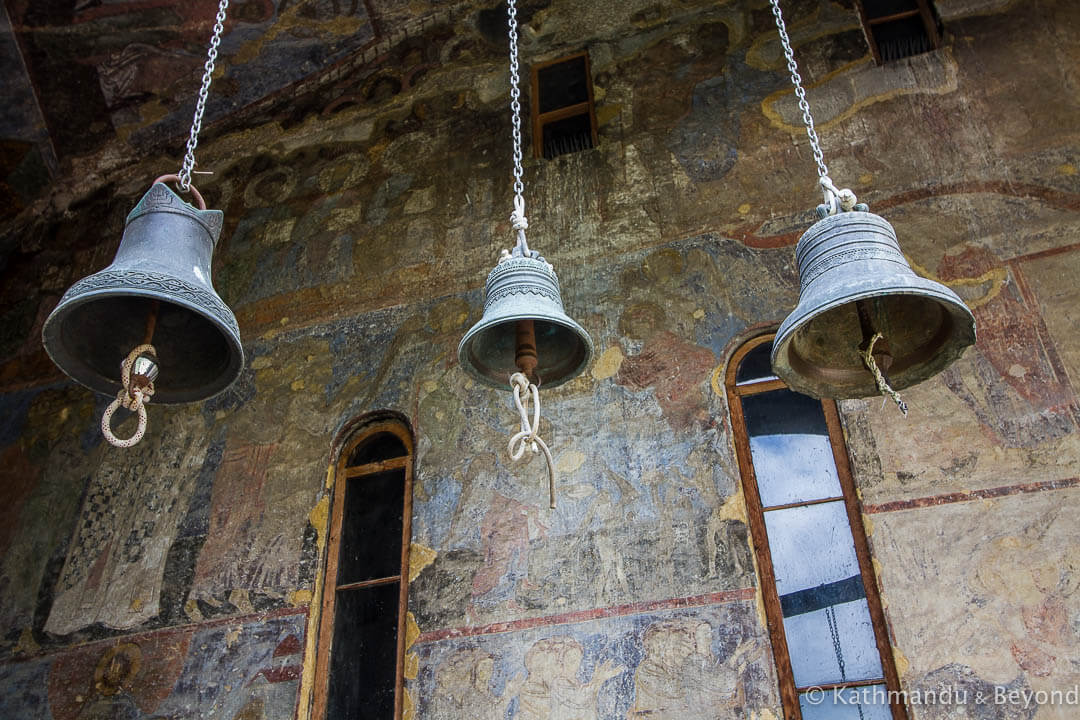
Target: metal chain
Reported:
[(204, 92), (515, 103), (517, 218), (834, 631), (796, 80)]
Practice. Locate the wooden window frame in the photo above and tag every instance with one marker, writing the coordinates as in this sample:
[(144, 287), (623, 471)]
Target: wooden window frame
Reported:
[(342, 474), (539, 119), (789, 693), (922, 11)]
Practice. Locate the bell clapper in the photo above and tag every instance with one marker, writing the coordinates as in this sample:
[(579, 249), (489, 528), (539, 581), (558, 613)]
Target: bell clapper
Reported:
[(876, 355), (525, 348)]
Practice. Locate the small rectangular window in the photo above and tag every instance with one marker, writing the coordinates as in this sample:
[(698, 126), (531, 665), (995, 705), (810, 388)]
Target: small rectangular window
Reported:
[(898, 28), (564, 119)]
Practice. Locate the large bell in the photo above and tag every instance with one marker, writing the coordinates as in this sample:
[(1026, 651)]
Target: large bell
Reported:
[(854, 283), (158, 291), (520, 290)]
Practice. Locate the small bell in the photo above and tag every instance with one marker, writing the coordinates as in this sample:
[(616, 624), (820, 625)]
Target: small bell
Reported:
[(855, 284), (157, 289), (522, 297)]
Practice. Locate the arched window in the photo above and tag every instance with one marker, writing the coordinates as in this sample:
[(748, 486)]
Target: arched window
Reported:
[(360, 658), (828, 631)]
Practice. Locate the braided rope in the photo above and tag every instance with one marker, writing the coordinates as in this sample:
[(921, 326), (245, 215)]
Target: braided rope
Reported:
[(133, 399), (882, 384), (527, 436)]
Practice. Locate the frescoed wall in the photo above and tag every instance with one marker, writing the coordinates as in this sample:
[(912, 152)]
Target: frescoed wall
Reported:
[(360, 154)]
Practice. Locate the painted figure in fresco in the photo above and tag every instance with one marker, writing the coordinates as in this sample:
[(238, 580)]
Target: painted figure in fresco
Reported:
[(463, 687), (1016, 385), (1040, 598), (507, 529), (552, 689), (679, 676)]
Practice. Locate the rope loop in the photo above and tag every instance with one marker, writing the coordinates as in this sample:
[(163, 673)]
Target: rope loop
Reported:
[(527, 436), (517, 218), (134, 403), (130, 398), (882, 384)]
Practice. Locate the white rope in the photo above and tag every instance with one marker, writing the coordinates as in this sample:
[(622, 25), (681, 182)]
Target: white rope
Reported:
[(835, 198), (528, 437), (882, 384), (517, 218), (133, 399)]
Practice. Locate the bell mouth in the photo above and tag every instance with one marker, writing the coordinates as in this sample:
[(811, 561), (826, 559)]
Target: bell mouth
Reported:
[(488, 350), (816, 352), (89, 336)]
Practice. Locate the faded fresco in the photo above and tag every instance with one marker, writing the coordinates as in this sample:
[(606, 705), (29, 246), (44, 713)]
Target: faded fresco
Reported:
[(240, 671), (694, 664), (1019, 578), (360, 154)]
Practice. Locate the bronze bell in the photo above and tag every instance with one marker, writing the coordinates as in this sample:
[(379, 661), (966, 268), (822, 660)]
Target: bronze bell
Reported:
[(855, 283), (522, 296), (158, 290)]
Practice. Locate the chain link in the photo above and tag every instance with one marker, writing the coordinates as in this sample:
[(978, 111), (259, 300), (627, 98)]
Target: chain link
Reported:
[(204, 92), (515, 104), (796, 80)]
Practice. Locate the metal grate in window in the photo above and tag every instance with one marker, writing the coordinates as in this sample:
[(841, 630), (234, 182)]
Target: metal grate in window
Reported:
[(564, 119), (898, 29)]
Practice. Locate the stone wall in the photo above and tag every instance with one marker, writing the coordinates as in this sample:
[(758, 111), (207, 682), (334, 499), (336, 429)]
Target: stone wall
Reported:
[(363, 209)]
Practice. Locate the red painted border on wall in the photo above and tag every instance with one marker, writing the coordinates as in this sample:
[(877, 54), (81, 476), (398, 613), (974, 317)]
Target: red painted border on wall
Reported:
[(715, 598)]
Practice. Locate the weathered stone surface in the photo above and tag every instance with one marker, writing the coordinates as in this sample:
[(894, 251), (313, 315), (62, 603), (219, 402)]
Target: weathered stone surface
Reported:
[(674, 664), (227, 671), (1004, 595), (365, 203)]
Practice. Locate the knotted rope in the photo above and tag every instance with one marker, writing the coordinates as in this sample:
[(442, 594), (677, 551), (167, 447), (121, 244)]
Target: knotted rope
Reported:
[(882, 383), (836, 200), (133, 399), (527, 436)]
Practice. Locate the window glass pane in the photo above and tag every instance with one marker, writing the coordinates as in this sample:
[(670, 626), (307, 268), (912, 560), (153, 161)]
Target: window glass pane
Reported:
[(371, 527), (810, 546), (363, 667), (815, 656), (789, 444), (383, 446), (755, 365), (861, 703)]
